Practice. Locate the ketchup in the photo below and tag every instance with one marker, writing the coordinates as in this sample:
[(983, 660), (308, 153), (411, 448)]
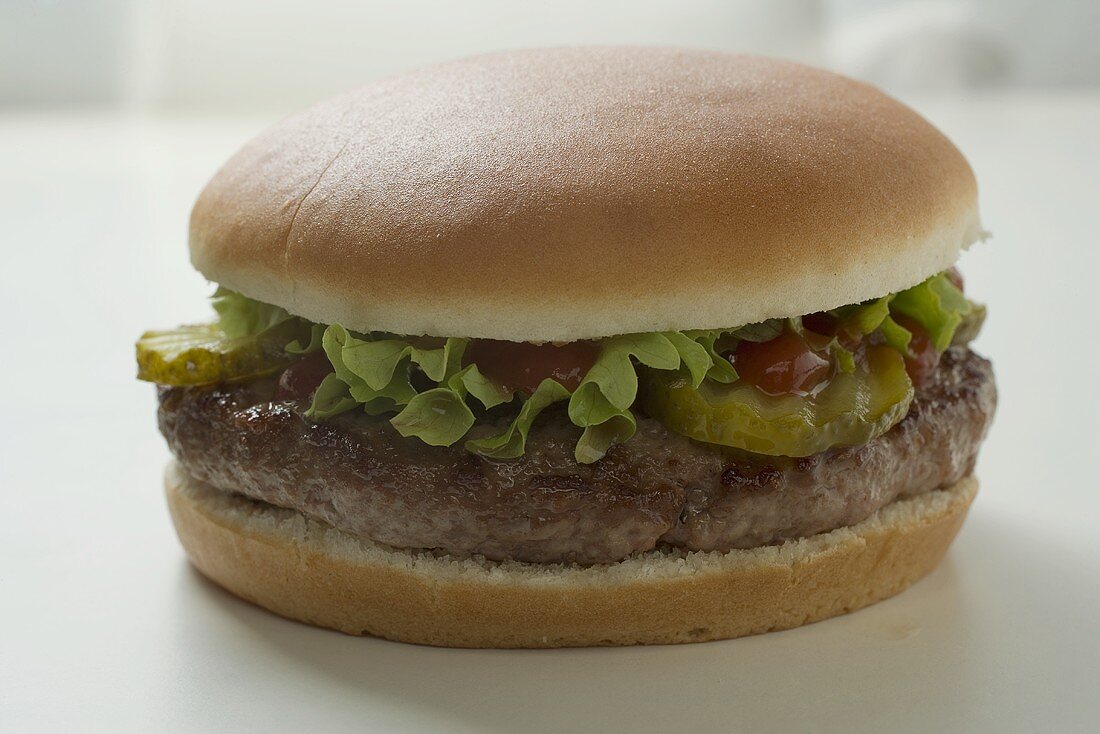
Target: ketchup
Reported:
[(786, 365), (522, 366), (300, 380), (922, 357)]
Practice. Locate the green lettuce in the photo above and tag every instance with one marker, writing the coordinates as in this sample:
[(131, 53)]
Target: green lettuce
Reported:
[(938, 305), (332, 397), (720, 369), (512, 442), (762, 332), (863, 318), (240, 316), (971, 324), (845, 359), (432, 394), (896, 336), (316, 338), (601, 403), (376, 372)]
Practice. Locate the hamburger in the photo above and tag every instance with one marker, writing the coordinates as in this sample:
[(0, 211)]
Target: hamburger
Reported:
[(587, 346)]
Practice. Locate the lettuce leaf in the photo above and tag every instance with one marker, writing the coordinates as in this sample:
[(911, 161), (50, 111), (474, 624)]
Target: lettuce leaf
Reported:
[(611, 384), (696, 357), (438, 417), (316, 334), (764, 331), (240, 316), (937, 305), (863, 318), (331, 398), (433, 396), (601, 403), (376, 373), (512, 442), (896, 335), (720, 369), (470, 381), (970, 326), (441, 416), (598, 438), (845, 359)]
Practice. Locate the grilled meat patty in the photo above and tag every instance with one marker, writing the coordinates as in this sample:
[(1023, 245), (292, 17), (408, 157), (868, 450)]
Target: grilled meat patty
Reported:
[(356, 473)]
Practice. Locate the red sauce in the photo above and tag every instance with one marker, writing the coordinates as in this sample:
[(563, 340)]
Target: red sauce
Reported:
[(300, 380), (922, 358), (522, 366), (786, 365)]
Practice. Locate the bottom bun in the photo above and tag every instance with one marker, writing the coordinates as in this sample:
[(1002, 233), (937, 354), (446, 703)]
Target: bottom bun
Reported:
[(305, 570)]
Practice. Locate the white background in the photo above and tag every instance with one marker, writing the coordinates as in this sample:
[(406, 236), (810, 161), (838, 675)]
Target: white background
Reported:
[(104, 627), (282, 54)]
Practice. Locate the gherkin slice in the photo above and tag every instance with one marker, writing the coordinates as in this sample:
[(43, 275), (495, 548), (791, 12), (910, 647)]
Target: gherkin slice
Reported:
[(200, 354), (851, 410)]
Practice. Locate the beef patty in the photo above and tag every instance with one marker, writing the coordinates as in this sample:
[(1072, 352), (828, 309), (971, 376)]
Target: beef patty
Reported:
[(355, 472)]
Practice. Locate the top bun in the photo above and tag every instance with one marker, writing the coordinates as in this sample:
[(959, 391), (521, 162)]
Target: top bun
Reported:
[(561, 194)]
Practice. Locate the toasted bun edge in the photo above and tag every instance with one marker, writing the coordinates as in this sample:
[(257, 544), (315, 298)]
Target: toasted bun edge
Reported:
[(304, 570), (563, 194)]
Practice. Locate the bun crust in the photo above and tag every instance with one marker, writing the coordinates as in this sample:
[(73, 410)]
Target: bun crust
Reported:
[(305, 570), (560, 194)]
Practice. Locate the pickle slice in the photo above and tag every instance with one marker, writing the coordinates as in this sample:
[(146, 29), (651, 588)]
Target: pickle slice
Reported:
[(852, 409), (200, 354)]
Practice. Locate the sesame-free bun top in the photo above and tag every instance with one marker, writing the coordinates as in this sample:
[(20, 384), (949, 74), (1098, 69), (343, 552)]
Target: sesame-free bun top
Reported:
[(569, 193)]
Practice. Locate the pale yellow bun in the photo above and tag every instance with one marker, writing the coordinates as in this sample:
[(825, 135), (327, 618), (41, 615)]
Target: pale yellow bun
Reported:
[(558, 194), (311, 572)]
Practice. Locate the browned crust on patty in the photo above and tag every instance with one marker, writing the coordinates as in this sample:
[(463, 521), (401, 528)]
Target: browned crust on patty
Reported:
[(357, 474)]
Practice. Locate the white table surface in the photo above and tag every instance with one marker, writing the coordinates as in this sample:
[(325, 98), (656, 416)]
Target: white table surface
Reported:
[(105, 627)]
